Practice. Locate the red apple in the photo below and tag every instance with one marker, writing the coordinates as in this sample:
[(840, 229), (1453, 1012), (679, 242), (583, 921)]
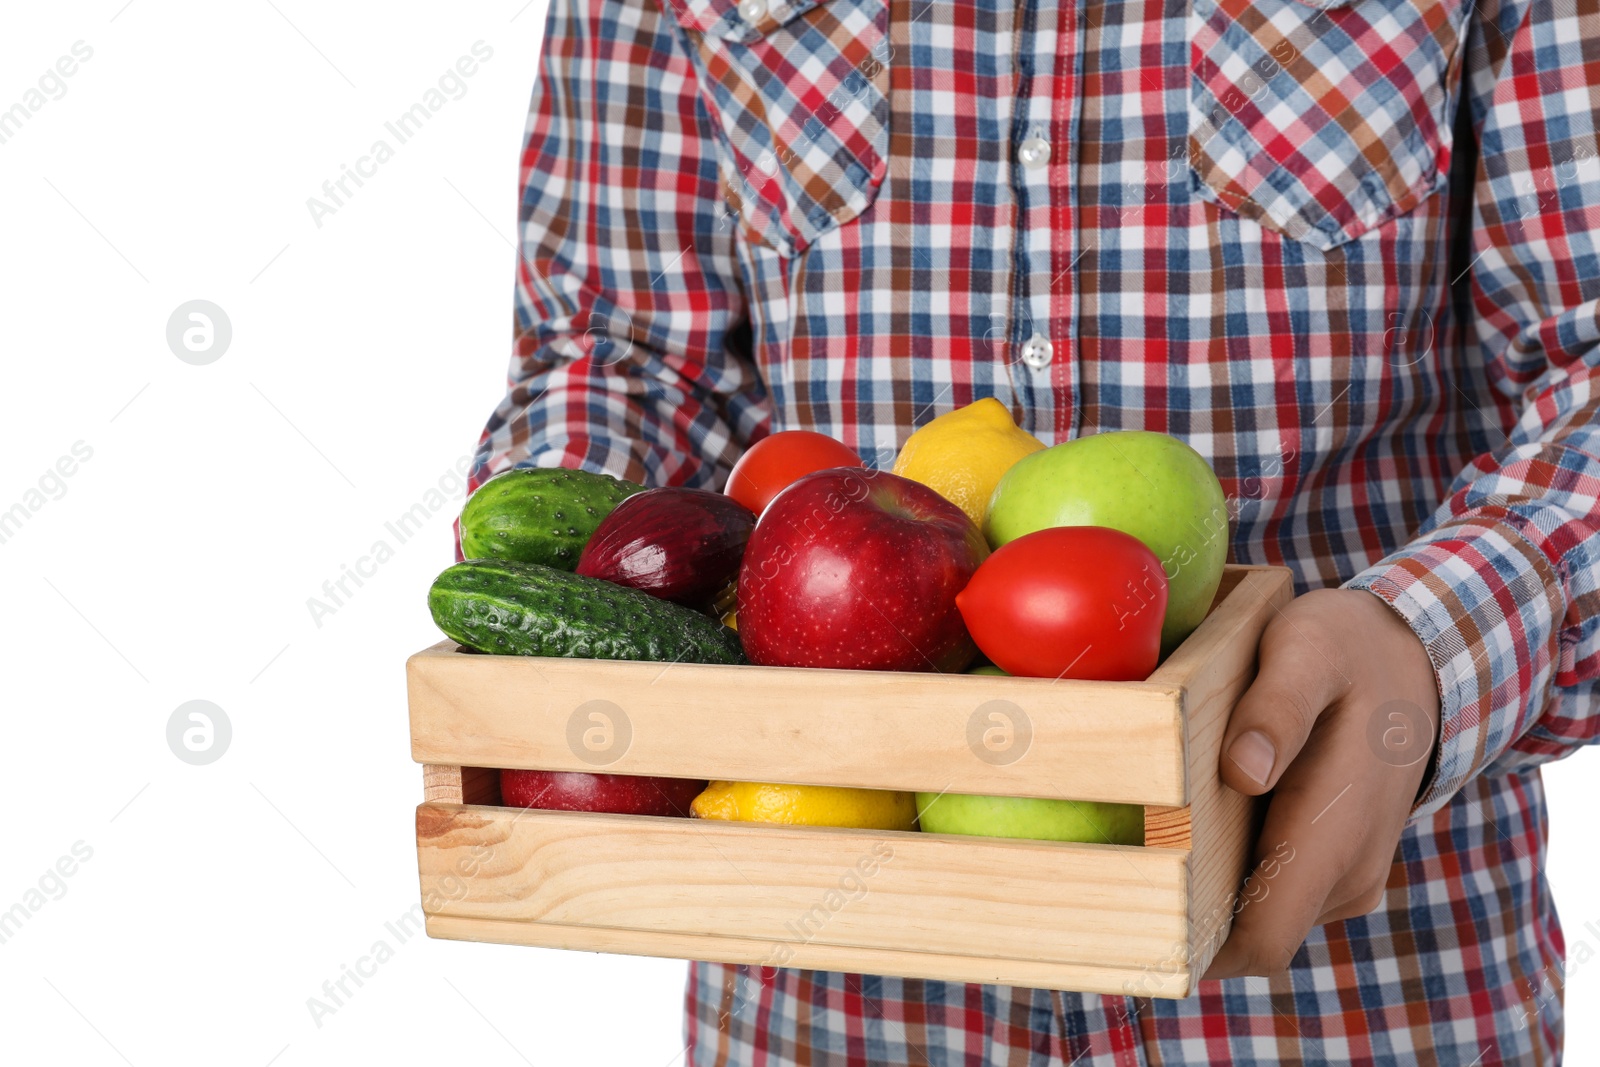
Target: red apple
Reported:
[(854, 568), (619, 794)]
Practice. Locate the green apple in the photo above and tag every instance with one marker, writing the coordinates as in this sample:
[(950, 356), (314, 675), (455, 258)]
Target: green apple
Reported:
[(1044, 820), (988, 668), (1149, 485)]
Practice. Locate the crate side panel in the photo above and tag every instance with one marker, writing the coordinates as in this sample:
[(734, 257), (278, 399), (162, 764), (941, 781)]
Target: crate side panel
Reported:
[(1223, 823), (1032, 901), (1083, 978), (1117, 742)]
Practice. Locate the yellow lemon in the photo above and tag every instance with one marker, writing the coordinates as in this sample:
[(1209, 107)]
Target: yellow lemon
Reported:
[(806, 805), (962, 454)]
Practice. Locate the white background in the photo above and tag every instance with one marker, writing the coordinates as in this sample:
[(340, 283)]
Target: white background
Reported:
[(176, 563)]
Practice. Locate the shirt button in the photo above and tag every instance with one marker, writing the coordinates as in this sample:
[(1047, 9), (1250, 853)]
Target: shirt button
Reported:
[(1037, 351), (752, 11), (1034, 152)]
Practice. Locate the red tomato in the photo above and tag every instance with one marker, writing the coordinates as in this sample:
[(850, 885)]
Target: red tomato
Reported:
[(771, 464), (1069, 602)]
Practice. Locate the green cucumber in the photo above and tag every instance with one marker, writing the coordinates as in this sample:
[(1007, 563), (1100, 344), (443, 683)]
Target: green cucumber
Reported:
[(539, 514), (527, 609)]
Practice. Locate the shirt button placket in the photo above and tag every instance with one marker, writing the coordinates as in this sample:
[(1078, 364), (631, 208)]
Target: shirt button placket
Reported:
[(1033, 349), (1037, 352), (1034, 153), (1037, 156)]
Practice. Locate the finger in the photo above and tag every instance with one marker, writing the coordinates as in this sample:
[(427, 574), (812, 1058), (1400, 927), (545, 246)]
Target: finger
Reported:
[(1315, 825), (1364, 903), (1366, 887), (1295, 682)]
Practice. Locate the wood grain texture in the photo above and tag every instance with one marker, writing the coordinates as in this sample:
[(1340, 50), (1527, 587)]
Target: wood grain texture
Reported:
[(1109, 741), (1215, 667), (1167, 827), (904, 896), (1141, 920), (725, 948), (1187, 667), (460, 785)]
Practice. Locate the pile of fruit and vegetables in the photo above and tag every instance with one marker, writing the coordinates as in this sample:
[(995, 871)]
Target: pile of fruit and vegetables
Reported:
[(983, 551)]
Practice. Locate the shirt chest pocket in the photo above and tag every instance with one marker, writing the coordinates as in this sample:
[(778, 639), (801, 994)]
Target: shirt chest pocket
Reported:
[(1321, 122), (798, 92)]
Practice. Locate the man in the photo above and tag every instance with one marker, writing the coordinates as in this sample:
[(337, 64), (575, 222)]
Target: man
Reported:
[(1345, 248)]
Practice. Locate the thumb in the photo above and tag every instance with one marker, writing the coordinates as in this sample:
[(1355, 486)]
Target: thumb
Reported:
[(1295, 683)]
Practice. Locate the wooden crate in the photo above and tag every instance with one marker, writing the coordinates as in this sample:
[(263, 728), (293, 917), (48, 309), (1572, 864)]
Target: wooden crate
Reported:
[(1144, 920)]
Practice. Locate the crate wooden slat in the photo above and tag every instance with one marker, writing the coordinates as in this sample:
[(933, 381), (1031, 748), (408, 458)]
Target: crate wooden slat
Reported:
[(1080, 977), (1093, 918), (1119, 742), (772, 884)]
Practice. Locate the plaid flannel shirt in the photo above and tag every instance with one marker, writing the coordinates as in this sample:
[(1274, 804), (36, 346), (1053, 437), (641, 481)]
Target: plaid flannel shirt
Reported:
[(1347, 249)]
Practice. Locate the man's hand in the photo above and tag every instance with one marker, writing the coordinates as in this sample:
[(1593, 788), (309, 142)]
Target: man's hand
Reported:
[(1340, 723)]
